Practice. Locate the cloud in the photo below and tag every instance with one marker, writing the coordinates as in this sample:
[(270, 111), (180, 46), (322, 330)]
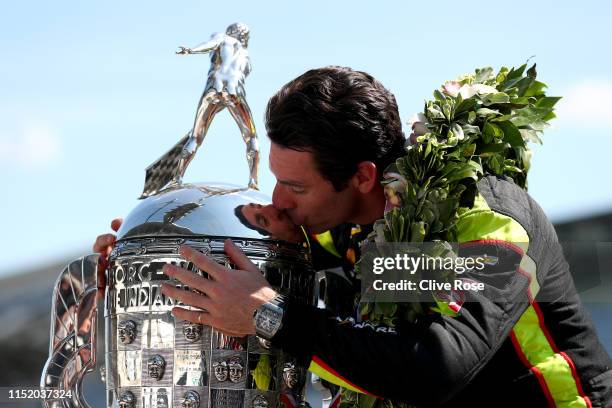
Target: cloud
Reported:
[(587, 104), (35, 146)]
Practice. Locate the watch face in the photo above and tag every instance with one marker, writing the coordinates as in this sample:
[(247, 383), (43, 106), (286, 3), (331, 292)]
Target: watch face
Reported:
[(268, 321)]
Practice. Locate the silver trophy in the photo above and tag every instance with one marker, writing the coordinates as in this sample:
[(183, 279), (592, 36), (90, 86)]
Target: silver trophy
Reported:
[(153, 360)]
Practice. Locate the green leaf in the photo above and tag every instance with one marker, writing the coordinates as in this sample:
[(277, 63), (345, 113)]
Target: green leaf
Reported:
[(494, 98), (535, 88), (417, 232), (516, 73), (511, 134), (529, 116), (434, 113), (486, 112), (531, 72), (365, 308), (439, 96), (483, 74), (457, 131), (366, 401), (466, 171), (547, 102), (469, 150), (523, 84), (502, 75), (471, 117), (470, 130), (491, 132), (465, 105), (495, 163), (446, 109), (530, 135), (491, 149), (522, 100)]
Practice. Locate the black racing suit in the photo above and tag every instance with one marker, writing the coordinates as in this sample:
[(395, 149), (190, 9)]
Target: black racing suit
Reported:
[(525, 340)]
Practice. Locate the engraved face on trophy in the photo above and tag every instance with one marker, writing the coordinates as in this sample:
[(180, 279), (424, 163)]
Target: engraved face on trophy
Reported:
[(192, 331), (236, 369), (127, 400), (156, 366), (126, 331), (260, 402), (220, 370), (162, 399), (191, 399), (290, 375)]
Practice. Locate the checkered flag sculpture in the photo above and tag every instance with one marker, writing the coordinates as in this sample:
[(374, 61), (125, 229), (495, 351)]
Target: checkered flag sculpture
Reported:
[(165, 170)]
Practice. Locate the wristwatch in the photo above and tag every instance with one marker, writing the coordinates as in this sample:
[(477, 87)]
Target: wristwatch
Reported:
[(268, 318)]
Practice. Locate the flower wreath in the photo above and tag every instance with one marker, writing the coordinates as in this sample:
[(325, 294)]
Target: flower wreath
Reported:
[(476, 125)]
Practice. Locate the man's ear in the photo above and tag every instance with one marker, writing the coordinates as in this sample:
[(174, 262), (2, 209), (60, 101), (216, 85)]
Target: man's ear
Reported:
[(366, 177)]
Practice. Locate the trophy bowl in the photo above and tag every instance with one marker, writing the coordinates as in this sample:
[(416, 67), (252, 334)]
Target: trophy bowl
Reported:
[(152, 357), (154, 360)]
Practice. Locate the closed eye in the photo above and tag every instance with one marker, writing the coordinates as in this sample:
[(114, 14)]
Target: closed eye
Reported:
[(298, 190), (261, 221)]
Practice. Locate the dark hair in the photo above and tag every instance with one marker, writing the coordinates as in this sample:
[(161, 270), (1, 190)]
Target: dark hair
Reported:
[(246, 223), (340, 115)]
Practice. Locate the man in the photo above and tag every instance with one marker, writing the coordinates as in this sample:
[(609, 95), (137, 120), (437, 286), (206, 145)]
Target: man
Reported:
[(333, 131)]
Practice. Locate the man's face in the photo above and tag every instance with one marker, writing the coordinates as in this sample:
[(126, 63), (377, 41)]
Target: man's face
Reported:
[(276, 222), (305, 195)]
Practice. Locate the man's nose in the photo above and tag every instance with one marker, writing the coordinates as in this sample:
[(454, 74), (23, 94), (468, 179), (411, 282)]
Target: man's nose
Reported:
[(280, 199)]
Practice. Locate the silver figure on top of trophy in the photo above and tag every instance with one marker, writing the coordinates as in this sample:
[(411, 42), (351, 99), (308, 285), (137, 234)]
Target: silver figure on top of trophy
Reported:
[(229, 67)]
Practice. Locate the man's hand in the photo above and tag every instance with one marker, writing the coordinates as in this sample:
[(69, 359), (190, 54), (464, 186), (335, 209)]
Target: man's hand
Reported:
[(228, 298), (103, 246)]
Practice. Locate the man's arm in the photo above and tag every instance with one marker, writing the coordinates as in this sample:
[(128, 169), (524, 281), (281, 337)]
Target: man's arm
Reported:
[(426, 362)]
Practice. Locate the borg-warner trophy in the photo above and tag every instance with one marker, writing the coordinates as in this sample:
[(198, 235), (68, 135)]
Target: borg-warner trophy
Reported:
[(153, 360)]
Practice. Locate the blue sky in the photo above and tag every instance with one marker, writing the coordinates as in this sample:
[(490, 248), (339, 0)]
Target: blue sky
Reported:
[(91, 93)]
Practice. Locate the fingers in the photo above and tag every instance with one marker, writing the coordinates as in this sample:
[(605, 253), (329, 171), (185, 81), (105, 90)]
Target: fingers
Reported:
[(190, 279), (204, 263), (192, 316), (103, 242), (201, 317), (101, 275), (238, 257), (187, 297), (116, 224)]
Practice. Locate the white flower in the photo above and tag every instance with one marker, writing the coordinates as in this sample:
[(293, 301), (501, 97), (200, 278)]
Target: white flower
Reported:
[(418, 124), (394, 185), (467, 91), (451, 88), (417, 118)]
